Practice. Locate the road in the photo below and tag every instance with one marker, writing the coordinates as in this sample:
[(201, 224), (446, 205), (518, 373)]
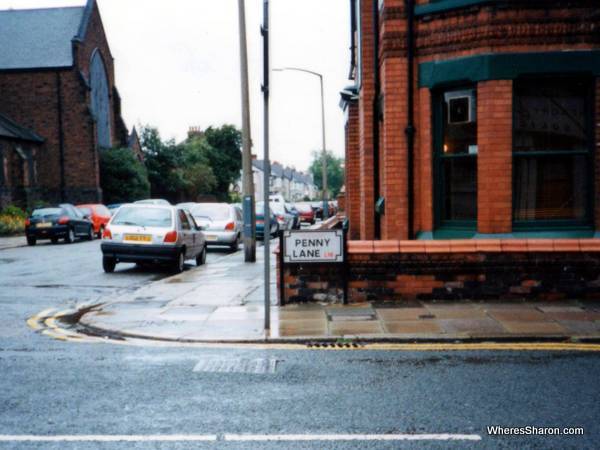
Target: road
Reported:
[(69, 390)]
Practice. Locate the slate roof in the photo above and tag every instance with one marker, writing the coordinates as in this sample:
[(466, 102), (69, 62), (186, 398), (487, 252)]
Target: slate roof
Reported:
[(40, 38), (10, 130)]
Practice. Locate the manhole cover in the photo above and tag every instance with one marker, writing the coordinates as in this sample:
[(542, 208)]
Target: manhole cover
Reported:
[(257, 366), (350, 315)]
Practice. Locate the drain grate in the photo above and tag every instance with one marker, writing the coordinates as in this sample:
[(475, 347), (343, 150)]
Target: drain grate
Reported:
[(256, 366)]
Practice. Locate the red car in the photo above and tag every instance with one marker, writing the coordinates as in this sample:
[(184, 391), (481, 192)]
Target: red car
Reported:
[(98, 214), (307, 214)]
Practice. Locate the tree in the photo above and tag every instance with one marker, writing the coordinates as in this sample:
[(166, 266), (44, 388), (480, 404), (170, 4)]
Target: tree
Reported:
[(123, 178), (164, 161), (197, 172), (225, 157), (335, 172)]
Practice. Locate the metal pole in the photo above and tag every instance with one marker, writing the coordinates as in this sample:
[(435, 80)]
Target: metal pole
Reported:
[(247, 176), (267, 167), (324, 155)]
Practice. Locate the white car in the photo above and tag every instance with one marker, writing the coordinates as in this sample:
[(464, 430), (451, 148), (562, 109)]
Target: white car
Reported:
[(152, 201), (221, 223), (142, 233)]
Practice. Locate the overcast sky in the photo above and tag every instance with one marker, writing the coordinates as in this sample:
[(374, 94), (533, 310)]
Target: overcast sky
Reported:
[(177, 65)]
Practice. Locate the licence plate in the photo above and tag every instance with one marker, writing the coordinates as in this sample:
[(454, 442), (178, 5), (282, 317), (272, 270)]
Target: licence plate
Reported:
[(43, 225), (211, 237), (137, 238)]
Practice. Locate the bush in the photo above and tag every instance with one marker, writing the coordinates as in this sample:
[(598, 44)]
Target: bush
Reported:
[(122, 176), (14, 211), (11, 225)]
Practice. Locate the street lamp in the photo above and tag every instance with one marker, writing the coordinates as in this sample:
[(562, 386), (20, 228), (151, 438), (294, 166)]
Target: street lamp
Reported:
[(324, 155)]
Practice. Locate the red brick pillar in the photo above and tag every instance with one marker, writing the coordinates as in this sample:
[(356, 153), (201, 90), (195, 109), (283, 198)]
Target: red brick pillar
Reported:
[(423, 163), (352, 173), (365, 119), (597, 151), (494, 160)]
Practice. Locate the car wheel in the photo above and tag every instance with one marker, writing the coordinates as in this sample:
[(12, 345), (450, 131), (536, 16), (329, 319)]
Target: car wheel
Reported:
[(108, 264), (179, 262), (236, 245), (70, 237), (201, 258), (54, 240), (31, 240), (90, 236)]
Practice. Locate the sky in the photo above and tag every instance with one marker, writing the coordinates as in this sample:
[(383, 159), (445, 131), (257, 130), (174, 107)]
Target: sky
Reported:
[(177, 65)]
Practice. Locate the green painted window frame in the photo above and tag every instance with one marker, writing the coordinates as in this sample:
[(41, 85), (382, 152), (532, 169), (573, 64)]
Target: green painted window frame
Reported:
[(440, 6), (560, 225), (450, 227)]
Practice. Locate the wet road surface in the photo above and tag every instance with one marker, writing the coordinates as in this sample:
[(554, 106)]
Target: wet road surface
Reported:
[(53, 388)]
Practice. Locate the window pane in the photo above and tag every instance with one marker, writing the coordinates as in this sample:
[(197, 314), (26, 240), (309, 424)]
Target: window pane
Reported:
[(550, 115), (459, 122), (460, 187), (550, 188)]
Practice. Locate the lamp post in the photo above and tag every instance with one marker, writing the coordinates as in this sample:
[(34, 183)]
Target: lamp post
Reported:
[(323, 154)]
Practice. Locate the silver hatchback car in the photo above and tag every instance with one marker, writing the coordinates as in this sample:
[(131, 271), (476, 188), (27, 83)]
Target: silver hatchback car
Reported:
[(144, 233), (222, 223)]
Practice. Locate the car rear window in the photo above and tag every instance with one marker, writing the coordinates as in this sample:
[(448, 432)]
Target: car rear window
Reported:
[(211, 211), (87, 211), (47, 212), (143, 217)]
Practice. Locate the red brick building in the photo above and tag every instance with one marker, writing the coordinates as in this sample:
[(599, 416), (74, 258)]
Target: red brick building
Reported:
[(472, 153), (57, 81)]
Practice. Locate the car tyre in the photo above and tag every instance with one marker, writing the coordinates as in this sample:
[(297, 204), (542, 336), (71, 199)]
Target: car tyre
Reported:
[(201, 258), (31, 240), (236, 245), (54, 240), (91, 235), (70, 237), (108, 264), (179, 262)]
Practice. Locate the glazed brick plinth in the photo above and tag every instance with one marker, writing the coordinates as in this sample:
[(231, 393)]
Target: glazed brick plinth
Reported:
[(533, 269)]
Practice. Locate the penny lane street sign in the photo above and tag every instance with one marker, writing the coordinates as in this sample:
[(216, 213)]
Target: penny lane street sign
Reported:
[(313, 246)]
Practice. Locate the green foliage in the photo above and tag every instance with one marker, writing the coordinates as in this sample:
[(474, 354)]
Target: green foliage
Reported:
[(122, 177), (14, 211), (225, 157), (205, 164), (335, 172)]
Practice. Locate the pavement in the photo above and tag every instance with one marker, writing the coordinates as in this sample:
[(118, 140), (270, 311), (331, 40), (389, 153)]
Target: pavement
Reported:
[(9, 242), (223, 302)]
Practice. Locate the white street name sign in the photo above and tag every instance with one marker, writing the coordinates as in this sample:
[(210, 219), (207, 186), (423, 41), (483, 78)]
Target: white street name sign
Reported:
[(313, 246)]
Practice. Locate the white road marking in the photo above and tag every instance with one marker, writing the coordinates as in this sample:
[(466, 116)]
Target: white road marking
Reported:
[(240, 365), (351, 437), (240, 437), (110, 438)]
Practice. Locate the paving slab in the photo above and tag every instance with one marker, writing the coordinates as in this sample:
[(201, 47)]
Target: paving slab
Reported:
[(534, 328), (395, 314), (412, 327)]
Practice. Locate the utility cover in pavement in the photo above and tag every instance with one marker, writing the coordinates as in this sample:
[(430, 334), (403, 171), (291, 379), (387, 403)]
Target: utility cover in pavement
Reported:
[(342, 315), (257, 366)]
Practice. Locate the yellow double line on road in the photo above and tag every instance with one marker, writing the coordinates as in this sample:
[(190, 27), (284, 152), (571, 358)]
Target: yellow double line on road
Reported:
[(48, 323)]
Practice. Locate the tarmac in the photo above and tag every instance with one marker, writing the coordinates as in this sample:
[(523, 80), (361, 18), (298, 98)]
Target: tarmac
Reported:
[(224, 302)]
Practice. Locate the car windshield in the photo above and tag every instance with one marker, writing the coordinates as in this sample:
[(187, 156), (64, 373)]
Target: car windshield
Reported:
[(143, 217), (277, 208), (86, 211), (47, 212), (211, 211), (303, 208)]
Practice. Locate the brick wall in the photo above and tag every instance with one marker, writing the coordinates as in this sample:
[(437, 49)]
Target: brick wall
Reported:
[(424, 164), (365, 119), (542, 269), (494, 159), (352, 173)]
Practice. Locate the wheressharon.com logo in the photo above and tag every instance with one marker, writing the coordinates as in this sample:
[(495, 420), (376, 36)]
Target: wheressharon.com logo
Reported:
[(531, 430)]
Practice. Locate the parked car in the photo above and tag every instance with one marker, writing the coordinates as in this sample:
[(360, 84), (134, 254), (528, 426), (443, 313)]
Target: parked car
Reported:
[(284, 218), (98, 214), (307, 213), (153, 201), (276, 198), (318, 209), (186, 205), (260, 221), (113, 207), (56, 222), (291, 209), (143, 233), (221, 223)]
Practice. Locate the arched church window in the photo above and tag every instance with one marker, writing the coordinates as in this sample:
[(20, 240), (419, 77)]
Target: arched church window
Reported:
[(100, 100)]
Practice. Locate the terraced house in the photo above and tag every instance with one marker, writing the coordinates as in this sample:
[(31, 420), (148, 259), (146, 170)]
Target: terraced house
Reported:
[(59, 101), (472, 133)]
